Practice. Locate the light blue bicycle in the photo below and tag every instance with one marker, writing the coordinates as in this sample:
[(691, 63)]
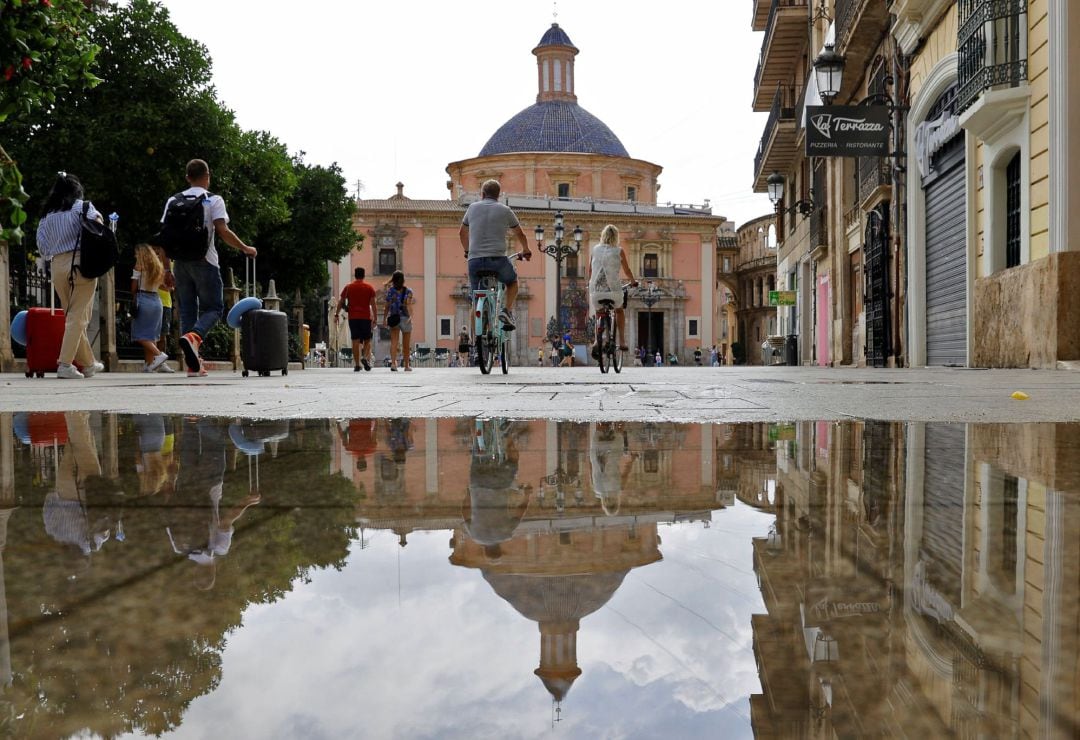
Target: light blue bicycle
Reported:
[(491, 337)]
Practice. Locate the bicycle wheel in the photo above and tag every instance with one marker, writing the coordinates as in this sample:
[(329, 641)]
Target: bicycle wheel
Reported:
[(601, 341), (616, 353), (504, 348), (485, 343)]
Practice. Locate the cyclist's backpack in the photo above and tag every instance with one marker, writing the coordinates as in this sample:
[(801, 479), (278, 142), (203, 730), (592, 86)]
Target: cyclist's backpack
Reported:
[(96, 246), (183, 230)]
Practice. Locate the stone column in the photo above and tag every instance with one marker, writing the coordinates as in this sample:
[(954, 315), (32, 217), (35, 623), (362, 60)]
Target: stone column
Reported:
[(107, 311), (431, 334), (7, 357), (110, 443), (706, 335), (232, 296)]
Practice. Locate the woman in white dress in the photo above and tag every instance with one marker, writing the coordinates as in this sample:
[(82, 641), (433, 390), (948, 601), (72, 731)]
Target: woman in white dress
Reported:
[(604, 285)]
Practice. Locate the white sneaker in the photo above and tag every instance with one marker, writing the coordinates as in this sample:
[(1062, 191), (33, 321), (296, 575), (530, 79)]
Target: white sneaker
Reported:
[(165, 368), (68, 372), (160, 359), (92, 370)]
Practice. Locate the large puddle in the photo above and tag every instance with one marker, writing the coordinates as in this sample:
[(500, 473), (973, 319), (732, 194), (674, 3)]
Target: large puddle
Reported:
[(495, 578)]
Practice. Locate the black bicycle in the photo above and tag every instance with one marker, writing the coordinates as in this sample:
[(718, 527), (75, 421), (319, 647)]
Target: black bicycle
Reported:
[(607, 330)]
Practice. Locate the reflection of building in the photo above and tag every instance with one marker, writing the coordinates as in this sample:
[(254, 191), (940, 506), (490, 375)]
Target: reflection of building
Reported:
[(552, 156), (921, 579), (558, 575)]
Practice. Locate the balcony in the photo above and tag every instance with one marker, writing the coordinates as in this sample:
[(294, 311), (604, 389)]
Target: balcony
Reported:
[(992, 43), (861, 26), (785, 38), (777, 149), (760, 14), (875, 181)]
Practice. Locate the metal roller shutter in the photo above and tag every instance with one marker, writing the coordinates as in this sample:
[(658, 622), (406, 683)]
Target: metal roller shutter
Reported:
[(946, 268), (942, 545)]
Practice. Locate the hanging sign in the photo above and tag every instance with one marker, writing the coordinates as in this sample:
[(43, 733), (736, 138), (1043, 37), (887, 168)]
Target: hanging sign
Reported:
[(781, 297), (847, 131)]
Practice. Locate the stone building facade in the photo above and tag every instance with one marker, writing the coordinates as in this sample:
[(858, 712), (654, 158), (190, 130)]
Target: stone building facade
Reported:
[(755, 276), (956, 249), (553, 156)]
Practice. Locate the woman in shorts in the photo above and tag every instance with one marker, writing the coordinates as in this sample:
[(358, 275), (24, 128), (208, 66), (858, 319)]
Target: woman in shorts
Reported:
[(399, 301)]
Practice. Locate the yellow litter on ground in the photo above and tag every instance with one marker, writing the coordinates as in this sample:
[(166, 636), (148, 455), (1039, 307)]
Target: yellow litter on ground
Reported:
[(1020, 396)]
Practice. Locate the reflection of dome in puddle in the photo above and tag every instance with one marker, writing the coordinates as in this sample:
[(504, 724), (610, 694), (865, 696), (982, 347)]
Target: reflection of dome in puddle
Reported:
[(556, 598), (557, 603)]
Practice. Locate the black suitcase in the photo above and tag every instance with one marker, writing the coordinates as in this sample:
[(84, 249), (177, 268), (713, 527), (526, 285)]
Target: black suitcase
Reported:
[(264, 341)]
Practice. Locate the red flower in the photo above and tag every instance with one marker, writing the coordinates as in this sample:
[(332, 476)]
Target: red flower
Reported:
[(46, 3), (27, 62), (9, 73)]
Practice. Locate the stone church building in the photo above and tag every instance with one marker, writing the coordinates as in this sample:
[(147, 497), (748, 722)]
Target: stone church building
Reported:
[(553, 156)]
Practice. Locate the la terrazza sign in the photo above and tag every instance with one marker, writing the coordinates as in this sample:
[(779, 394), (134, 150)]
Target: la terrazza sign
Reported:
[(847, 131)]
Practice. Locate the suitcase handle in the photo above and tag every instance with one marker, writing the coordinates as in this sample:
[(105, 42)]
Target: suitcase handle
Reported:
[(249, 267)]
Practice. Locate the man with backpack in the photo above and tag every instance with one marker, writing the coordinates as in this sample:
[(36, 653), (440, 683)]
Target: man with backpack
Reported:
[(188, 225)]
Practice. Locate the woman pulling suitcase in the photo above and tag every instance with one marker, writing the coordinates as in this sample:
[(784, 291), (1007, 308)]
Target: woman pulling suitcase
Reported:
[(57, 240)]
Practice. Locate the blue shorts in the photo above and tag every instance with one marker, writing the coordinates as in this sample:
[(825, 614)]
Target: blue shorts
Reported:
[(501, 266)]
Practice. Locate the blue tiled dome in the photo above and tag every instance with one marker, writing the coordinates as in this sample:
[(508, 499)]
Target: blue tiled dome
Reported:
[(555, 36), (554, 126)]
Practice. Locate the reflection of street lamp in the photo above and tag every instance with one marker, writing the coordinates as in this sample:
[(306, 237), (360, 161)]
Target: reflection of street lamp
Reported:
[(561, 480), (650, 297), (558, 252)]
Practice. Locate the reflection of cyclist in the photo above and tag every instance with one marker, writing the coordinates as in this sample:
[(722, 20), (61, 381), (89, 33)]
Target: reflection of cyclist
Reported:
[(610, 462), (607, 259), (496, 503), (483, 237)]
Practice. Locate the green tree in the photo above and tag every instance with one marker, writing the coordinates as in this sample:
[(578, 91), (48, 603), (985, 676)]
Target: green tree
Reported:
[(44, 52), (319, 230), (129, 138)]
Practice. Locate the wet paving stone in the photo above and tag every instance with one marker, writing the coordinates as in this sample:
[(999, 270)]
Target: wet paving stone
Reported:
[(492, 577)]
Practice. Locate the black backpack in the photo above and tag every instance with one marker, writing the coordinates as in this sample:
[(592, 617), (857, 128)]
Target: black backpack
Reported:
[(183, 230), (96, 247)]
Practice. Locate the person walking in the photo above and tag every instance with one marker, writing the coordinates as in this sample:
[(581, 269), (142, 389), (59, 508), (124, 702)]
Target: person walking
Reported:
[(198, 281), (658, 359), (567, 352), (553, 355), (57, 237), (147, 277), (463, 347), (359, 296), (398, 318), (540, 356), (483, 237), (165, 294)]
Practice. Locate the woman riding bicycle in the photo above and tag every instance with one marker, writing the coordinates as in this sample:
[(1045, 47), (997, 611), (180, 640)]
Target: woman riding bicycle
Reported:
[(607, 258)]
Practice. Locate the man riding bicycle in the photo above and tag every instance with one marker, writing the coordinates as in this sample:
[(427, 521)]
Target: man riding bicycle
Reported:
[(607, 258), (483, 237)]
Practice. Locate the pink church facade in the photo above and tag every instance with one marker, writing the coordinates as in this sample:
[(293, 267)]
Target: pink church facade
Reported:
[(552, 157)]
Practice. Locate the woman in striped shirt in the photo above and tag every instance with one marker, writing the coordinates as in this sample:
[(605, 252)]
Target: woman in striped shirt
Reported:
[(57, 237)]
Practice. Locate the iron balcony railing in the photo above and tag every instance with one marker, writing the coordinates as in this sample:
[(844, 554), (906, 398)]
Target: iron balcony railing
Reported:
[(992, 43), (781, 111), (873, 173), (770, 26), (845, 13)]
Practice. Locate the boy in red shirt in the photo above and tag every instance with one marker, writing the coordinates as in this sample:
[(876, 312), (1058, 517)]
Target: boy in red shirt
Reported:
[(360, 297)]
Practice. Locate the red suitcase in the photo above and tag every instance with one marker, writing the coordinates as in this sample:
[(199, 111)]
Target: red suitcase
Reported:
[(44, 335)]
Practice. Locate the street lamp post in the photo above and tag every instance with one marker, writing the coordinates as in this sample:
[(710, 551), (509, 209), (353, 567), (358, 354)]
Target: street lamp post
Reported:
[(558, 251), (650, 297)]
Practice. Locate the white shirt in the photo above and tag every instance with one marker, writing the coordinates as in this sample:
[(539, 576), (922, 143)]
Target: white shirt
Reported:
[(213, 209)]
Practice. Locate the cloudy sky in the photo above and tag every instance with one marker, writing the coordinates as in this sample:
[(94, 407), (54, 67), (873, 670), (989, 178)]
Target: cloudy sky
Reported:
[(396, 91), (400, 643)]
